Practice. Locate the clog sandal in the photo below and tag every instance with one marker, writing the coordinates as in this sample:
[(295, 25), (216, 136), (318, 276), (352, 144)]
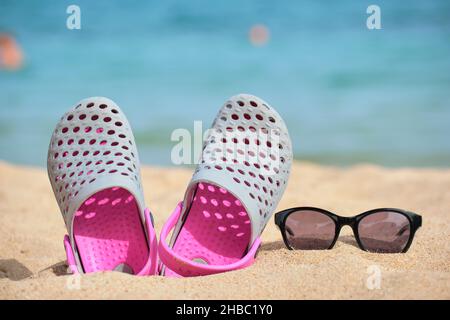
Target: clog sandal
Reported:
[(94, 171), (234, 191)]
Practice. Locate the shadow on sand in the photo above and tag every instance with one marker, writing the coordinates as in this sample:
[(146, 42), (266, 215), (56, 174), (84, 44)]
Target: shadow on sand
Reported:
[(14, 270)]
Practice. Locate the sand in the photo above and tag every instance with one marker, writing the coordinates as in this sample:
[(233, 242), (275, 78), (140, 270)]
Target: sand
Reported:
[(32, 258)]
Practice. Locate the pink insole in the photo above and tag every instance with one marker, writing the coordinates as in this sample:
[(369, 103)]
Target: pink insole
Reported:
[(108, 232), (217, 228)]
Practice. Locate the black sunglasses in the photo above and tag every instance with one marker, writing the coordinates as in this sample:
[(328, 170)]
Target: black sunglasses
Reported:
[(384, 230)]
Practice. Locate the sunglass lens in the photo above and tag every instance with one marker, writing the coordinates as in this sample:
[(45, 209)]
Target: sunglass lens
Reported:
[(309, 230), (384, 232)]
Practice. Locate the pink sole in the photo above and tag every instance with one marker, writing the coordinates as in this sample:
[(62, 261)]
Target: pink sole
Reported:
[(108, 232), (217, 229)]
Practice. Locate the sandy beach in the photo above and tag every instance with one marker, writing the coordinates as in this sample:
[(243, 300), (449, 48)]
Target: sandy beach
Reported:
[(32, 258)]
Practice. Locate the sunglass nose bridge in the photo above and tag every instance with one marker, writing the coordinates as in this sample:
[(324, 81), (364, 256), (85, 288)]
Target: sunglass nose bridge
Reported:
[(347, 221)]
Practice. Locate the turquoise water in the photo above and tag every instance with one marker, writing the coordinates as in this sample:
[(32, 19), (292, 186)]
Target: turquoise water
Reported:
[(348, 94)]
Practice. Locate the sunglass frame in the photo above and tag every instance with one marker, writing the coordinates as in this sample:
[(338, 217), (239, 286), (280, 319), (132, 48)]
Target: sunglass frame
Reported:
[(415, 222)]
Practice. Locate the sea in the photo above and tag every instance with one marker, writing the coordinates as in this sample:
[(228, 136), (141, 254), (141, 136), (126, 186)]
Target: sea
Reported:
[(349, 94)]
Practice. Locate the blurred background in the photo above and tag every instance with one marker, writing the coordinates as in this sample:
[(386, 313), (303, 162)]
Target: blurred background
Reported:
[(348, 94)]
